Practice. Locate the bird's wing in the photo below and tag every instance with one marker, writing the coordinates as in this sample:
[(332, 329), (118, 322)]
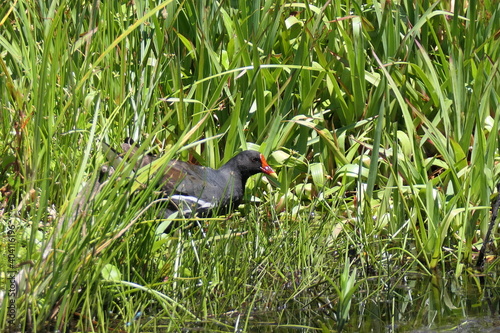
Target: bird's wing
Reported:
[(190, 189), (181, 178)]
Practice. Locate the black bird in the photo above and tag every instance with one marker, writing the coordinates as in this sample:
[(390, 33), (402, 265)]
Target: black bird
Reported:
[(194, 190)]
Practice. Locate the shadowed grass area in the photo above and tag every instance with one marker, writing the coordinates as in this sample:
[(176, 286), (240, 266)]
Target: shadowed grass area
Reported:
[(381, 120)]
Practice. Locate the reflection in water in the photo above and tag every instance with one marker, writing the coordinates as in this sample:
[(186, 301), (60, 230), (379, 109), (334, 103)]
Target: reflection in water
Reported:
[(412, 303)]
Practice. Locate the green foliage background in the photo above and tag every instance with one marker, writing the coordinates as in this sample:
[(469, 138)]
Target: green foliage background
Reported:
[(381, 119)]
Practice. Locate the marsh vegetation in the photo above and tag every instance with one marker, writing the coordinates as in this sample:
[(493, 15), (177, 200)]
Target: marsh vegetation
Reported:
[(381, 120)]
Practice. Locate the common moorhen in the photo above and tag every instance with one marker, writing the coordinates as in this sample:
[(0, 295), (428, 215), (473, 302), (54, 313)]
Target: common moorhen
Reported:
[(195, 190)]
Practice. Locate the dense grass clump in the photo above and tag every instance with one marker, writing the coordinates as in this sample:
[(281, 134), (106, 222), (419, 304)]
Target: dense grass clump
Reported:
[(380, 118)]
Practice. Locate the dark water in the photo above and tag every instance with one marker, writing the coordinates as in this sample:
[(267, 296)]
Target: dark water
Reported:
[(407, 303), (411, 303)]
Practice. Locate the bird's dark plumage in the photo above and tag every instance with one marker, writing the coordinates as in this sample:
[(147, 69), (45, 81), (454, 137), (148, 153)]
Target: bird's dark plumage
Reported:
[(197, 190), (202, 189)]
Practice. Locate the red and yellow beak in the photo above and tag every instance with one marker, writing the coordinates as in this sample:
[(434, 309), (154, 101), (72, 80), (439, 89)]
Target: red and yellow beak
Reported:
[(266, 168)]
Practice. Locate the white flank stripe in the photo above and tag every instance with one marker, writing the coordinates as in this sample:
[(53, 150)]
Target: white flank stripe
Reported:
[(195, 200)]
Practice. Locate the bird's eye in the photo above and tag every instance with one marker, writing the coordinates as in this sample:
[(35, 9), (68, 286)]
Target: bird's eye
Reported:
[(255, 159)]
